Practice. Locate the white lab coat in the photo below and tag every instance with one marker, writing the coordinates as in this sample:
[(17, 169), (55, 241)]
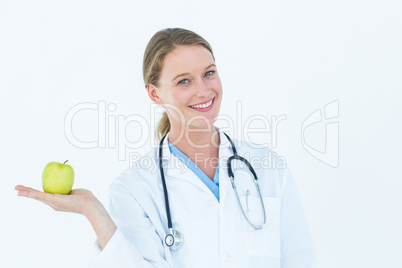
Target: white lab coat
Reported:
[(215, 233)]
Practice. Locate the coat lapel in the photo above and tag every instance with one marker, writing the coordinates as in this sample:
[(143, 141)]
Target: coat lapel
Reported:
[(225, 152)]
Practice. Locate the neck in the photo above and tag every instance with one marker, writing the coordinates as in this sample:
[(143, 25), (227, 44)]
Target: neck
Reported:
[(194, 140)]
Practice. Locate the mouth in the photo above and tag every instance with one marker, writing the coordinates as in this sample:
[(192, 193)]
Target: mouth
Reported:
[(203, 106)]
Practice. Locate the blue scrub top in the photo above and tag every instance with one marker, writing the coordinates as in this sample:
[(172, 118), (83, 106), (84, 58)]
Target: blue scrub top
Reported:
[(212, 185)]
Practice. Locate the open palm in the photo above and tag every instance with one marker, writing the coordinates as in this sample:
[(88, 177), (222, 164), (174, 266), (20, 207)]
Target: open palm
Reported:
[(78, 201)]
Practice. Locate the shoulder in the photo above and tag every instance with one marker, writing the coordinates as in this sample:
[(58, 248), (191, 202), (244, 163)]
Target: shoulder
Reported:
[(142, 174)]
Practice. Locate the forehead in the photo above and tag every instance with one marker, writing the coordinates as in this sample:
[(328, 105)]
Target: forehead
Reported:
[(185, 59)]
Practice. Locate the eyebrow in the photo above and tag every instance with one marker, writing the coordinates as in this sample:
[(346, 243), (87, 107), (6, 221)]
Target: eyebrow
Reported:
[(184, 74)]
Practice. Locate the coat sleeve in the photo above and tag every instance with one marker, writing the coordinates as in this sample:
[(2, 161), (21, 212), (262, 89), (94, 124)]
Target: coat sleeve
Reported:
[(135, 242), (296, 244)]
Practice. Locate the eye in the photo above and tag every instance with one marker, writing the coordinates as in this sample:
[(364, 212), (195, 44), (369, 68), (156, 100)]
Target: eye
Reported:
[(184, 81), (209, 73)]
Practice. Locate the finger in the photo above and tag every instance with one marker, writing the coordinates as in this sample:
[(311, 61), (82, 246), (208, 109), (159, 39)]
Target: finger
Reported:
[(29, 190), (24, 188), (57, 202), (23, 193), (41, 196), (48, 199), (35, 194), (20, 188)]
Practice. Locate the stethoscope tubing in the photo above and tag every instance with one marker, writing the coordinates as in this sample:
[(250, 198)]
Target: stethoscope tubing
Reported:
[(231, 176), (174, 239), (164, 186)]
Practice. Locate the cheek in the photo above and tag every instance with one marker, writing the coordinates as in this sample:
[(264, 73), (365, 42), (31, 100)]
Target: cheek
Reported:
[(183, 97), (216, 85)]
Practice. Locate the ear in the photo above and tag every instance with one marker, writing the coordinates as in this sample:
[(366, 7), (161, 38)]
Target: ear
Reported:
[(154, 94)]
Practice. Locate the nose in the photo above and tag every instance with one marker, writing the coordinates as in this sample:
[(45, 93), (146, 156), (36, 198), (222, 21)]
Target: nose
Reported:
[(202, 89)]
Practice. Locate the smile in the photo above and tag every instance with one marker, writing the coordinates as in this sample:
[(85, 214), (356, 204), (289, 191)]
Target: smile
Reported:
[(203, 105)]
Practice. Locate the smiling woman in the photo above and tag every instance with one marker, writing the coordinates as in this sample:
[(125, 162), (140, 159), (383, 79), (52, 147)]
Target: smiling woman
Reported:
[(191, 65), (188, 93), (220, 210)]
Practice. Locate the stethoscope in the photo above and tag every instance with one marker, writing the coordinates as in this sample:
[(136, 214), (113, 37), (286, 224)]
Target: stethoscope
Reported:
[(174, 239)]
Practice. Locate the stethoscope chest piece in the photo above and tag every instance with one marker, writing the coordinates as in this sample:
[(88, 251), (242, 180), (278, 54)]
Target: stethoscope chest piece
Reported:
[(174, 240)]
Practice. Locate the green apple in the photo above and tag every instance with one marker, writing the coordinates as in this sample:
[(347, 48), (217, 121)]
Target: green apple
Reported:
[(58, 178)]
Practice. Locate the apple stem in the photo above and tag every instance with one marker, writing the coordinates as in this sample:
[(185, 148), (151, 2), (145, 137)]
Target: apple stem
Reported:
[(65, 162)]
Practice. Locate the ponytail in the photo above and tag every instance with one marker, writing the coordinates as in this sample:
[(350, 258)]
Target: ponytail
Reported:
[(163, 127)]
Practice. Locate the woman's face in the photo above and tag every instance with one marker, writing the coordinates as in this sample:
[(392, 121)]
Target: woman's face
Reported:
[(190, 87)]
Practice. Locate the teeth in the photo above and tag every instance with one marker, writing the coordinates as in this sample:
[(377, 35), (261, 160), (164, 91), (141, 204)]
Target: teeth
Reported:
[(205, 105)]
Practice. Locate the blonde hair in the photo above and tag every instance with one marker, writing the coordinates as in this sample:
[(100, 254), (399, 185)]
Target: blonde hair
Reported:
[(161, 44)]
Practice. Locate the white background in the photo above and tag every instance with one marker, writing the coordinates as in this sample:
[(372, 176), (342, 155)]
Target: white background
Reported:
[(279, 58)]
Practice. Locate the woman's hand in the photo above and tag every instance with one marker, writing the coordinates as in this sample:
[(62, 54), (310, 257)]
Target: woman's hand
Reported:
[(79, 201)]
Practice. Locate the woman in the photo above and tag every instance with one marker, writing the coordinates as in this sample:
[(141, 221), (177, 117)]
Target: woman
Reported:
[(220, 226)]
